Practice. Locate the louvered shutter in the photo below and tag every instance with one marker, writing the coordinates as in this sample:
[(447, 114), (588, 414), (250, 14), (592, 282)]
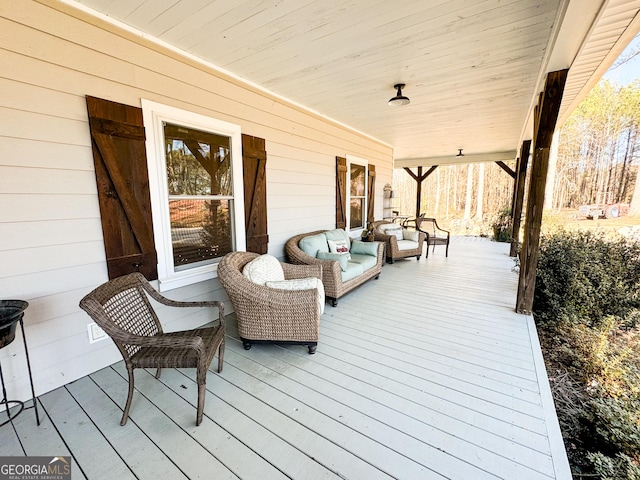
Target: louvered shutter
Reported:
[(119, 155), (371, 192), (341, 192), (254, 163)]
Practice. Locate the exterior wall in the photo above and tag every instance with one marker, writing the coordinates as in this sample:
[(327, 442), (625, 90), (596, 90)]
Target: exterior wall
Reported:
[(51, 251)]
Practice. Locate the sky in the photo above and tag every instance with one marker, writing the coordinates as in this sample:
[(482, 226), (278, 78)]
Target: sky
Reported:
[(628, 72)]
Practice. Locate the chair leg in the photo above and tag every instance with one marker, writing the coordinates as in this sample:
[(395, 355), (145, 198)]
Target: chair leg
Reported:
[(125, 414), (312, 348), (221, 356), (446, 254), (158, 372), (202, 390)]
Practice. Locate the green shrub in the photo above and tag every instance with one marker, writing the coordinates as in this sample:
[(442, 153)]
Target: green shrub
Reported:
[(501, 225), (614, 468), (616, 424), (583, 277), (587, 310)]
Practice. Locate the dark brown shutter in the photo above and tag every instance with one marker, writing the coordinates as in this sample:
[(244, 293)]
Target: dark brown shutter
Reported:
[(341, 192), (254, 163), (371, 192), (119, 155)]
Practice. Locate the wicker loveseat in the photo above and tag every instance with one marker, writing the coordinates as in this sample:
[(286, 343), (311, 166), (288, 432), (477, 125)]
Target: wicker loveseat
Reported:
[(409, 246), (336, 281), (267, 314)]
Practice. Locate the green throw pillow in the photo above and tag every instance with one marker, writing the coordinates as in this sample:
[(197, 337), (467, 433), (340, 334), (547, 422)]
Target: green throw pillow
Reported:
[(364, 248), (340, 257)]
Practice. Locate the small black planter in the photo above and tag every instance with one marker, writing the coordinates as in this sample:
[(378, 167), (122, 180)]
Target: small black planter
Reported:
[(11, 313)]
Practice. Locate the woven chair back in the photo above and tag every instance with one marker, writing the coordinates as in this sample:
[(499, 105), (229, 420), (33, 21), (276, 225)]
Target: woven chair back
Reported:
[(121, 307), (426, 224)]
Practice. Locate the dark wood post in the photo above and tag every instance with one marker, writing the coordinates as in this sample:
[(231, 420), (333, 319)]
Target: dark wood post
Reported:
[(419, 179), (546, 122), (518, 196), (419, 191)]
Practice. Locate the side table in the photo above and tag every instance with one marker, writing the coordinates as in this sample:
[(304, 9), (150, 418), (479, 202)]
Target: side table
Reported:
[(12, 313)]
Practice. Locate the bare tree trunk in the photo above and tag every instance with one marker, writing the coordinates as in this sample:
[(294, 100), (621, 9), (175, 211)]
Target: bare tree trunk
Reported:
[(447, 189), (437, 205), (480, 194), (467, 203), (551, 175), (455, 188), (634, 208), (624, 174)]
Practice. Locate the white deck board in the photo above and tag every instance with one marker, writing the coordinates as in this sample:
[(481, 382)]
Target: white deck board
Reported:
[(425, 373)]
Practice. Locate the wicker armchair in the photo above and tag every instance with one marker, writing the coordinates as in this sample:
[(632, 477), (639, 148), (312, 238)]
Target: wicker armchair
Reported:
[(434, 234), (121, 308), (391, 241), (268, 314)]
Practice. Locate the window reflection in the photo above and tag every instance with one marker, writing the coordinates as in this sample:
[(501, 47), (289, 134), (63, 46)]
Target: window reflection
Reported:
[(198, 165)]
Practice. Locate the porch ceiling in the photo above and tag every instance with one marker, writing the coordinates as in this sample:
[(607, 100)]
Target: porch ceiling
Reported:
[(473, 70)]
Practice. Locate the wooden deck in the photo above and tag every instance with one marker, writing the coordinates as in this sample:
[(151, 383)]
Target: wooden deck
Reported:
[(425, 373)]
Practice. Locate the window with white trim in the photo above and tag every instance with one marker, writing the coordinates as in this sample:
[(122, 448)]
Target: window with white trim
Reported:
[(195, 179), (357, 193)]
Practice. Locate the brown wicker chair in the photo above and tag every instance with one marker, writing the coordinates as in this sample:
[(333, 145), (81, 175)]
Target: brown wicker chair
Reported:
[(393, 252), (430, 227), (121, 308), (268, 314)]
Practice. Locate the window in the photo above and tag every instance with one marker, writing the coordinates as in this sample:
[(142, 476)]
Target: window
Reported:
[(195, 173), (357, 200)]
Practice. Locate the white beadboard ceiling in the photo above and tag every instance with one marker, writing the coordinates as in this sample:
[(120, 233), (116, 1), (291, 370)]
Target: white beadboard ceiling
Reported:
[(473, 69)]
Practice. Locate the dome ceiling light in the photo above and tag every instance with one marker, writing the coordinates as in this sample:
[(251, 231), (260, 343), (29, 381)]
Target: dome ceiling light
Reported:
[(399, 100)]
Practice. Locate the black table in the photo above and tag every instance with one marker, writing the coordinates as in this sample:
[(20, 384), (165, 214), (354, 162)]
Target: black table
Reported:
[(12, 313)]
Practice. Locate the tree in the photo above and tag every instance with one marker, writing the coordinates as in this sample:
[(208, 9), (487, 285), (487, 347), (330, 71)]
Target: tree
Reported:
[(598, 148), (480, 196), (467, 203)]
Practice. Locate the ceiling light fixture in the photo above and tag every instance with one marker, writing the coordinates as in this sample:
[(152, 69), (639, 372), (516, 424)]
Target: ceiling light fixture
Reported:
[(460, 154), (399, 99)]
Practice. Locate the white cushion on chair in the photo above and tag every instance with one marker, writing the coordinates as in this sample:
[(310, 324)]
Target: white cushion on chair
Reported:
[(412, 235), (407, 245), (262, 269), (397, 232), (302, 284), (386, 226)]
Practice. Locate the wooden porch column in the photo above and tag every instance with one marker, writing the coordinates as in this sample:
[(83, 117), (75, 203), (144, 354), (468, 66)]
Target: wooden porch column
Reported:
[(518, 196), (545, 125), (419, 178)]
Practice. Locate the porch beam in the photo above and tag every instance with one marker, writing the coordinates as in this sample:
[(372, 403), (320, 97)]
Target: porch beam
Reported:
[(547, 116), (518, 196), (505, 156), (506, 168), (419, 178)]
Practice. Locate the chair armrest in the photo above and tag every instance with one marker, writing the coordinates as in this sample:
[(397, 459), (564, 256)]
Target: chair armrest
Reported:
[(301, 271), (392, 240), (261, 304), (409, 221), (153, 293)]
